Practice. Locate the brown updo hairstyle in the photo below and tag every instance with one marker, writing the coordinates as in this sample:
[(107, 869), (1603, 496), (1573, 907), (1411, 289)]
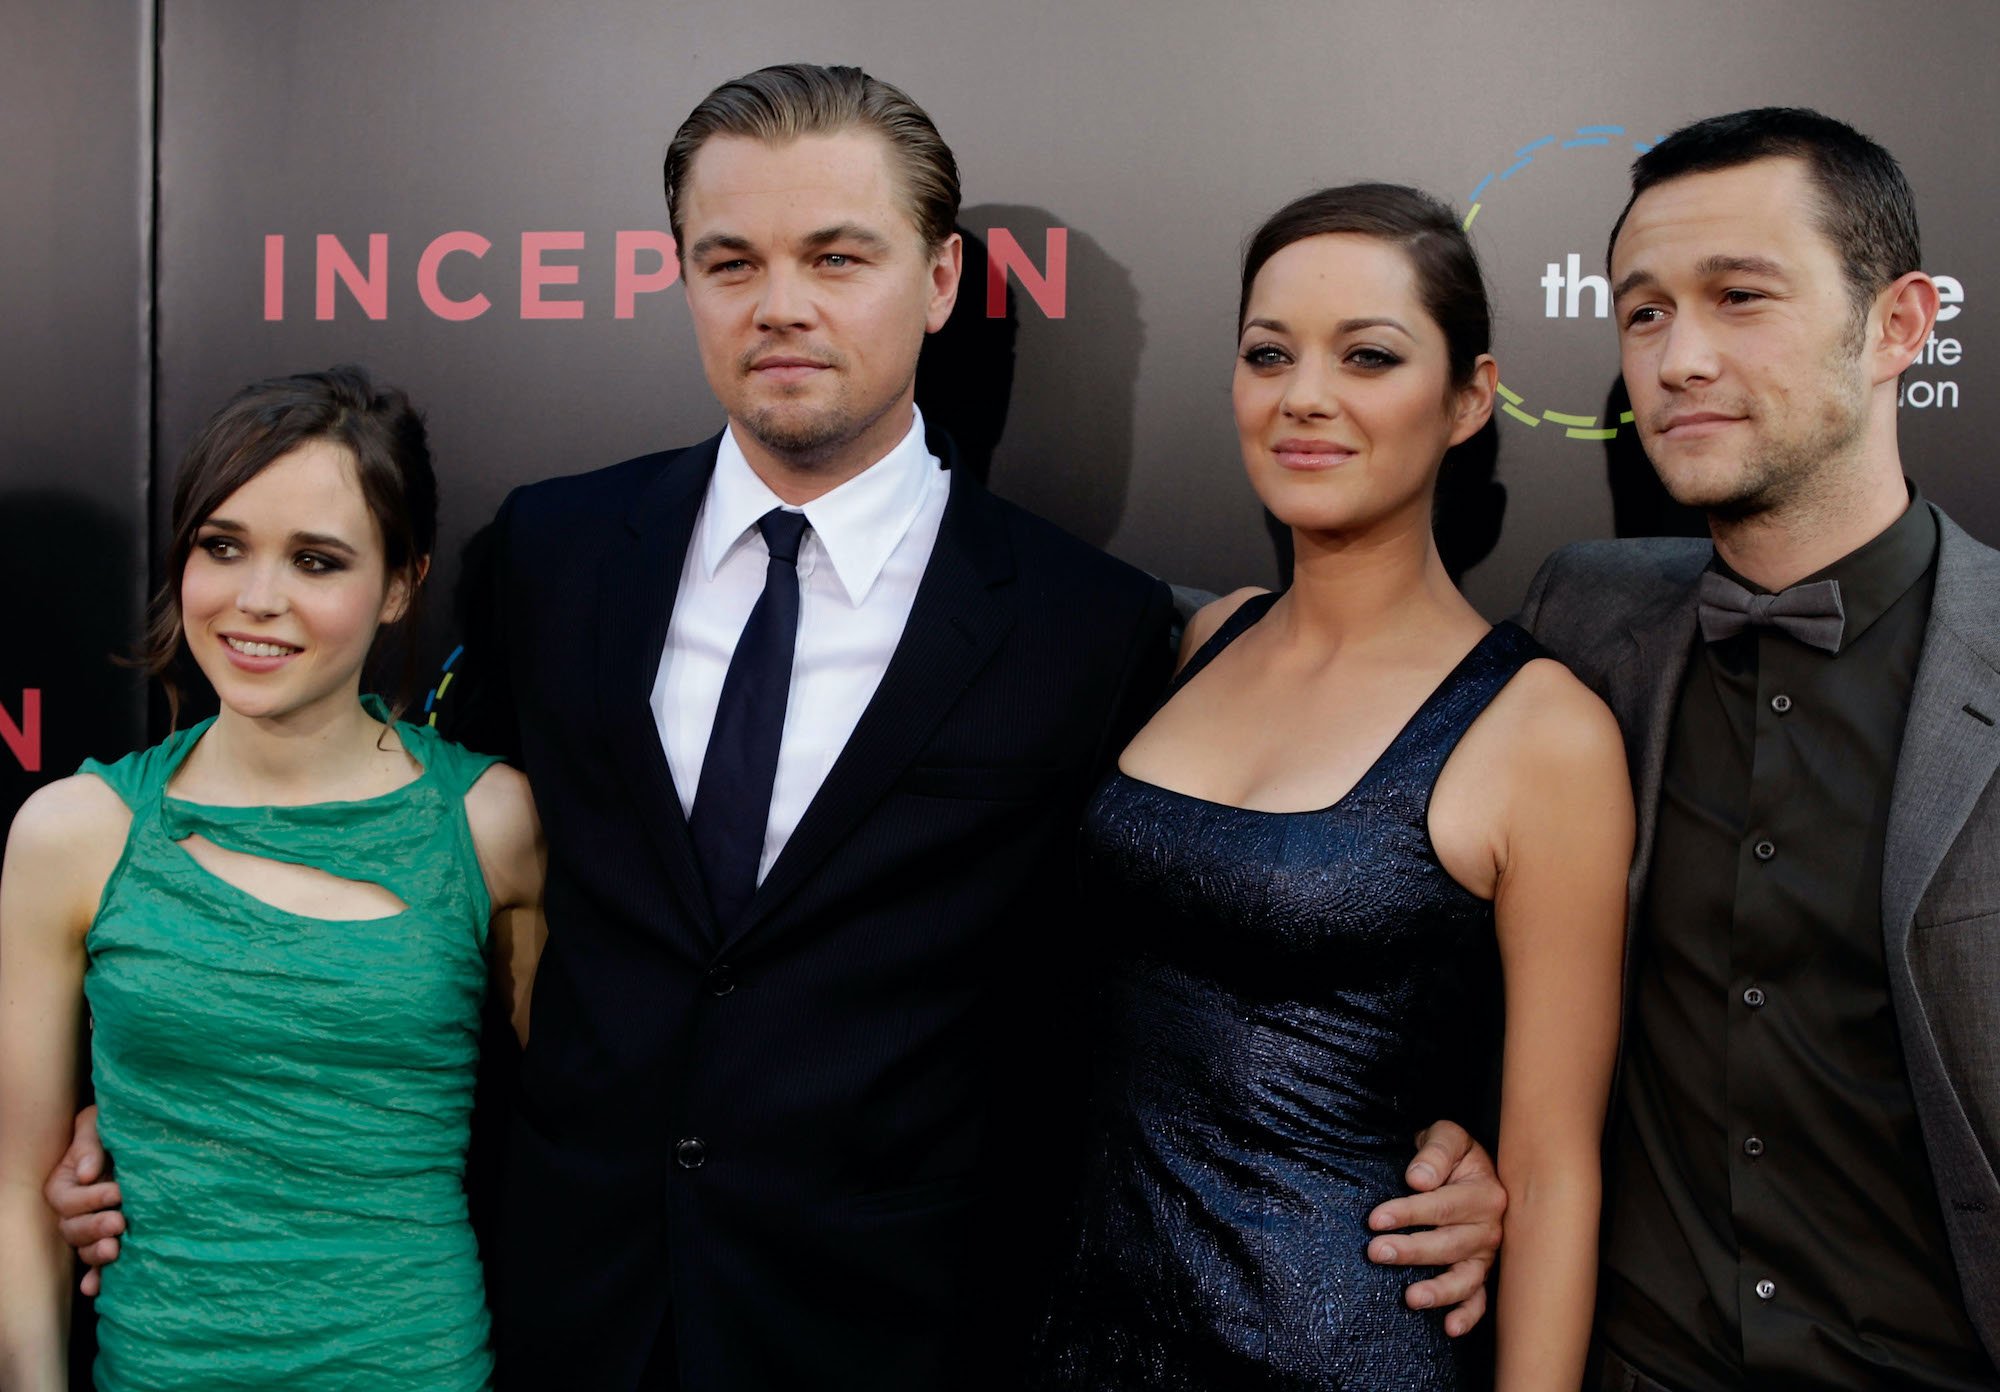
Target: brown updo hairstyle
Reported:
[(1448, 280), (266, 421)]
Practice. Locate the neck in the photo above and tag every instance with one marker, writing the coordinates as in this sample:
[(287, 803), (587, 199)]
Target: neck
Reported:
[(1840, 511), (278, 758), (798, 477), (1387, 582)]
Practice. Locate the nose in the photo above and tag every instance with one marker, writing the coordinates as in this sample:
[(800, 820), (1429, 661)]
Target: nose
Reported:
[(1687, 353), (1311, 390), (785, 301), (262, 591)]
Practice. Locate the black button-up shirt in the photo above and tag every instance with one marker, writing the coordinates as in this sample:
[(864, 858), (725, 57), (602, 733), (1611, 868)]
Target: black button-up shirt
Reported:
[(1771, 1219)]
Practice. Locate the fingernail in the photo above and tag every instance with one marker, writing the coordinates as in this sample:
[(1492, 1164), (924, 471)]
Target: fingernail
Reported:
[(1423, 1172), (1421, 1300), (1383, 1251)]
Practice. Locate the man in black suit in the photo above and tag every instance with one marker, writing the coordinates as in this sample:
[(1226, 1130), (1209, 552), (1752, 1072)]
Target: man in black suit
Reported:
[(789, 875), (810, 718)]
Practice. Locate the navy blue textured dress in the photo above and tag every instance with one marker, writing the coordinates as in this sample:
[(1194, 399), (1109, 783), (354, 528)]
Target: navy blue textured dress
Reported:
[(1293, 995)]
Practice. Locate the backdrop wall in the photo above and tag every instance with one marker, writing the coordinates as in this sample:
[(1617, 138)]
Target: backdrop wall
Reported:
[(464, 195)]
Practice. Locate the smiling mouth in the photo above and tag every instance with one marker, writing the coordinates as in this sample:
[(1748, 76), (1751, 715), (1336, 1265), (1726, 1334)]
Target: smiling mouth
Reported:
[(257, 648), (1307, 455)]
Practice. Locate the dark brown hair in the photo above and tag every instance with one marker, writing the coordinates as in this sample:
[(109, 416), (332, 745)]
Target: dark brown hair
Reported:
[(262, 423), (1447, 273), (1866, 209), (1448, 280), (779, 104)]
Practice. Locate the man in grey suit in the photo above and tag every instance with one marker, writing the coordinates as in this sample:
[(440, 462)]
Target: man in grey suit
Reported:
[(1802, 1149)]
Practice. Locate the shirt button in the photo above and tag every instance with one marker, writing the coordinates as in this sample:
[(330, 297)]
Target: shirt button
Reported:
[(1753, 1146), (690, 1153), (720, 980), (1764, 850), (1781, 703), (1754, 997), (1766, 1288)]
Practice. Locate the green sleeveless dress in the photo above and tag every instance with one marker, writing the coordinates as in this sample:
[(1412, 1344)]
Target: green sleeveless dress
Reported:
[(287, 1100)]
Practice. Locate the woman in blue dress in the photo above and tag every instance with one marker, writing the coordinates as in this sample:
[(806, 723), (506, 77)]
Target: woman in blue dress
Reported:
[(1363, 821)]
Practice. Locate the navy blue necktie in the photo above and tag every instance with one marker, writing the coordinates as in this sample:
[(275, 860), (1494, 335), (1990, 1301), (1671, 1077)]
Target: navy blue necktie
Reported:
[(732, 802)]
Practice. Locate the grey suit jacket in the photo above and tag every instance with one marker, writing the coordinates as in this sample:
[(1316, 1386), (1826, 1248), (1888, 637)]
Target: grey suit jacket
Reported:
[(1622, 615)]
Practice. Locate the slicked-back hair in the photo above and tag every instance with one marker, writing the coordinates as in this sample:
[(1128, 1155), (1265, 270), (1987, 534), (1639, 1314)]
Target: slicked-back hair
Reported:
[(779, 104), (261, 424), (1449, 283), (1865, 208)]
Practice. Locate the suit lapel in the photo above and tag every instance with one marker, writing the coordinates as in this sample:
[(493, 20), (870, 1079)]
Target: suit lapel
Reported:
[(955, 623), (1643, 691), (1949, 755), (640, 578)]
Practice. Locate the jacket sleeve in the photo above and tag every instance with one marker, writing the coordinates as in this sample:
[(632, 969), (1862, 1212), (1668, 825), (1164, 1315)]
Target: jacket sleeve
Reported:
[(478, 711)]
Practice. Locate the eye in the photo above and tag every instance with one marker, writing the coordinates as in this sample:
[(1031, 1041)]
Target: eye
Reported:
[(1741, 297), (1372, 358), (219, 548), (1259, 355), (837, 260), (733, 267), (1643, 315), (316, 563)]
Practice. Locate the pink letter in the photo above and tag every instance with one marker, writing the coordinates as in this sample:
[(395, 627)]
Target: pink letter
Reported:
[(370, 292), (534, 275), (274, 276), (435, 299), (1050, 292), (25, 739), (630, 284)]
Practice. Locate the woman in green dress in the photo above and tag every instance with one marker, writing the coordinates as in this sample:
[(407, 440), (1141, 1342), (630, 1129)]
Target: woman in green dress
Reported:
[(284, 921)]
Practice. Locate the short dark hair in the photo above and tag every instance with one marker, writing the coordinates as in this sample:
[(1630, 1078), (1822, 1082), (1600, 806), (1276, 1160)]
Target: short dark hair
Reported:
[(1449, 283), (268, 420), (1866, 209), (779, 104)]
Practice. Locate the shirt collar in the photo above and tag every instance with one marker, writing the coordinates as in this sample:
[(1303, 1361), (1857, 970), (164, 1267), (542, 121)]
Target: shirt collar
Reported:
[(1877, 573), (857, 525)]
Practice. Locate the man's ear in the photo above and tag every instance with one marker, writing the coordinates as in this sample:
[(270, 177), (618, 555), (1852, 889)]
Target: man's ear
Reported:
[(1905, 312), (947, 265)]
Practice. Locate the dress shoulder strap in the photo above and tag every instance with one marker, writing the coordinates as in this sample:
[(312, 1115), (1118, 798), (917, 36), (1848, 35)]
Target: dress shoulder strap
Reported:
[(453, 767), (1245, 614), (140, 776)]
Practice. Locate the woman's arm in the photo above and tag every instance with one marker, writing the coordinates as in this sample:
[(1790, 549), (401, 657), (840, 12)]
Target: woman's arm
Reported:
[(514, 856), (1559, 910), (63, 844)]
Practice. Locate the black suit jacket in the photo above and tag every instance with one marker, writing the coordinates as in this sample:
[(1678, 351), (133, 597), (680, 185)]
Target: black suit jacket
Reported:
[(783, 1142)]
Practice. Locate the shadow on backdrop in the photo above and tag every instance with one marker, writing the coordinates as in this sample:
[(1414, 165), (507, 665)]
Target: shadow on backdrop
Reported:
[(1068, 454), (67, 568), (965, 375), (1466, 516), (1640, 504)]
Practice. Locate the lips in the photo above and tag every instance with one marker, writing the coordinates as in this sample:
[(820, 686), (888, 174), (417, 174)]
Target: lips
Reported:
[(255, 654), (787, 367), (1694, 425), (1308, 456)]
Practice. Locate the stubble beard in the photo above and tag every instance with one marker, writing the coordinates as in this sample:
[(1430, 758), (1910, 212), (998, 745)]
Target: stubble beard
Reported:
[(1801, 469), (808, 439)]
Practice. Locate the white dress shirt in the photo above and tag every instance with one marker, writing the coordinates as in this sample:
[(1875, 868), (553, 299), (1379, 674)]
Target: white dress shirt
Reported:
[(859, 566)]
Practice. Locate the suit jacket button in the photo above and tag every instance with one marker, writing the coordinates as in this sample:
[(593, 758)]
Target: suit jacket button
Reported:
[(721, 980), (690, 1153), (1753, 1146), (1766, 1288), (1753, 997)]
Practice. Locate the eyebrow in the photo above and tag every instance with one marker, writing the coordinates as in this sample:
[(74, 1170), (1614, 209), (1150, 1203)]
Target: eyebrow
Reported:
[(1707, 266), (325, 541), (825, 236), (846, 232), (1345, 326)]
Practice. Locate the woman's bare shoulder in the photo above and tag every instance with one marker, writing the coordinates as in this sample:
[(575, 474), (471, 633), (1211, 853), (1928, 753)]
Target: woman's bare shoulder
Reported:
[(1210, 617)]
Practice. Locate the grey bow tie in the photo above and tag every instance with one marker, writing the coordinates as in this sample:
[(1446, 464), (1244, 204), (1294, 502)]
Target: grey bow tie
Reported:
[(1810, 613)]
